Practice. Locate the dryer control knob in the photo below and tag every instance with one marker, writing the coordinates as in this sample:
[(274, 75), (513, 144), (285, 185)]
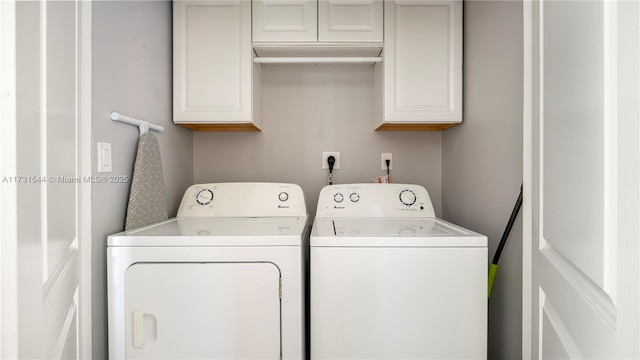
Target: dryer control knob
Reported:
[(408, 197), (338, 197), (204, 197), (283, 196), (354, 197)]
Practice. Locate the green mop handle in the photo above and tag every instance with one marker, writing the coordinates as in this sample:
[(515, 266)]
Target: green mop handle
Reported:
[(493, 267)]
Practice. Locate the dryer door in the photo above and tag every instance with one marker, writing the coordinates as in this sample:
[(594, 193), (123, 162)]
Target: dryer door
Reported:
[(203, 310)]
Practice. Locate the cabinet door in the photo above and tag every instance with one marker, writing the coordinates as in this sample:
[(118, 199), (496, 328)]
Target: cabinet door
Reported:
[(285, 20), (423, 62), (212, 62), (350, 20)]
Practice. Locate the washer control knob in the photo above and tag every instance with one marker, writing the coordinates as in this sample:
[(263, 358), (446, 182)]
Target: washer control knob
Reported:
[(354, 197), (283, 196), (408, 197), (338, 197), (204, 197)]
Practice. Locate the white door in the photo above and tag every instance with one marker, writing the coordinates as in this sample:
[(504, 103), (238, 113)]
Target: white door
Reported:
[(203, 311), (49, 148), (582, 160)]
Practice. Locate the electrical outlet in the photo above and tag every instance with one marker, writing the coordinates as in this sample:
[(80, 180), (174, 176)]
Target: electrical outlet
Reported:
[(326, 154), (383, 158)]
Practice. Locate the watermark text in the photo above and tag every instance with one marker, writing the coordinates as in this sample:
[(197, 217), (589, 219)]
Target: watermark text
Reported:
[(64, 179)]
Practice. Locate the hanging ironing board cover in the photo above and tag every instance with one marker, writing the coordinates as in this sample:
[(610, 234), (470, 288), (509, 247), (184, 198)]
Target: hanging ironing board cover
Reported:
[(147, 199)]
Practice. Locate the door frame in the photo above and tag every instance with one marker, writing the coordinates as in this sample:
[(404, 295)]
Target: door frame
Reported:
[(527, 176), (85, 325), (8, 191)]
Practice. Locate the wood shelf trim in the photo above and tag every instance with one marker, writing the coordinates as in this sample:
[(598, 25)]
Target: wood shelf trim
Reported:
[(414, 127), (221, 127)]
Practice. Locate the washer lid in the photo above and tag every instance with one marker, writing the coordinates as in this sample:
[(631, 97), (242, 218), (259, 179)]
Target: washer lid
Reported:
[(215, 232), (392, 232)]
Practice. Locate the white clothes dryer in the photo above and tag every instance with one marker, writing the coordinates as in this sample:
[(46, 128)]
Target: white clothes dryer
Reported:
[(223, 280), (389, 280)]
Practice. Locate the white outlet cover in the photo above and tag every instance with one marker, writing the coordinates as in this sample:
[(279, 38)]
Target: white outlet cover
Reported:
[(383, 164), (326, 154)]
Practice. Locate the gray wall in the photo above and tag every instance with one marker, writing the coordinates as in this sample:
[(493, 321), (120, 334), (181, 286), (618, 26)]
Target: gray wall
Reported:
[(308, 109), (482, 158), (472, 171), (131, 75)]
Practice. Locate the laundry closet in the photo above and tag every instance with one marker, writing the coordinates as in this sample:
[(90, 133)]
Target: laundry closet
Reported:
[(306, 109)]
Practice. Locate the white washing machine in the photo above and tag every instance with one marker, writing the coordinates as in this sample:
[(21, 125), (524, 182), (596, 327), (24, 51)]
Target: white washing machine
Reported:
[(389, 280), (223, 280)]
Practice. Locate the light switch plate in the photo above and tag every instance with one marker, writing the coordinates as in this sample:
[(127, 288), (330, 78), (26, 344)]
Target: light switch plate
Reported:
[(104, 157)]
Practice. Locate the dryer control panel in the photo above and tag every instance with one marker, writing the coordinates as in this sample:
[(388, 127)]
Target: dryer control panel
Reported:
[(243, 200), (374, 200)]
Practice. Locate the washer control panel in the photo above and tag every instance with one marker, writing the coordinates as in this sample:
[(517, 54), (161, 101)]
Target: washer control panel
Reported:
[(242, 200), (374, 200)]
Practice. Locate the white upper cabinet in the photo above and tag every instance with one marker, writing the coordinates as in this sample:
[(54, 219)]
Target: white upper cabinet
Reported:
[(419, 82), (350, 20), (213, 69), (309, 21), (285, 20), (217, 74)]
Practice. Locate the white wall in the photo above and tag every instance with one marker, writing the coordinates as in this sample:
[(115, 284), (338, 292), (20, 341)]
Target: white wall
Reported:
[(308, 109), (482, 158), (131, 75)]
